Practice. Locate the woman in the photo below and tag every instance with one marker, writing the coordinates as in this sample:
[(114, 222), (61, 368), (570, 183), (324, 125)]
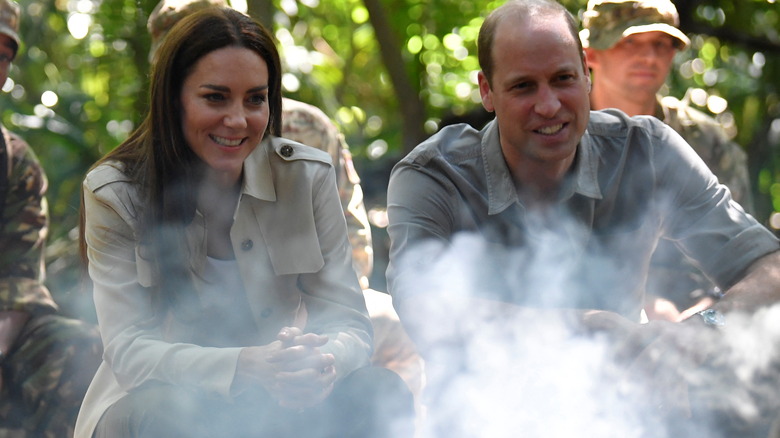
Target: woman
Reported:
[(221, 267)]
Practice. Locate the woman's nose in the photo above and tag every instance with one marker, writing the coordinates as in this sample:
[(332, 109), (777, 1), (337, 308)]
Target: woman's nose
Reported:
[(235, 117)]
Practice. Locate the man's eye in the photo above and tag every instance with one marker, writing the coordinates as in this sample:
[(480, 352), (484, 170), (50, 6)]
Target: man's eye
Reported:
[(5, 59)]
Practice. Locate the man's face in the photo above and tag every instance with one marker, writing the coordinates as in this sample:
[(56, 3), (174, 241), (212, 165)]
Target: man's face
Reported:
[(637, 66), (539, 91), (6, 56)]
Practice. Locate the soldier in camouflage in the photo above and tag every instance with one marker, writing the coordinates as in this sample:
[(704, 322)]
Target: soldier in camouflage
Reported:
[(46, 360), (630, 46)]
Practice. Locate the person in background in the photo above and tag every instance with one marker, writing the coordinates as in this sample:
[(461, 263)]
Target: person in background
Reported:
[(46, 360), (309, 125), (221, 268), (519, 255), (630, 46)]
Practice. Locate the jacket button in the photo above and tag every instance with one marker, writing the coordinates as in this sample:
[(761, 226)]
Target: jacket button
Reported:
[(286, 151), (247, 244), (266, 312)]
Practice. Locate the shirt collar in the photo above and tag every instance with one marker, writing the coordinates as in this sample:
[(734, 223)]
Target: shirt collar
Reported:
[(501, 187), (586, 168)]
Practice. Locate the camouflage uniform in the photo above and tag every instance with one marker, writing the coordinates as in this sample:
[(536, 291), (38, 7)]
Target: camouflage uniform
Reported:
[(49, 366)]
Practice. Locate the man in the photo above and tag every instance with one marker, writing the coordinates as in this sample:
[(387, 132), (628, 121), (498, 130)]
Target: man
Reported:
[(519, 252), (47, 361), (309, 125), (630, 46)]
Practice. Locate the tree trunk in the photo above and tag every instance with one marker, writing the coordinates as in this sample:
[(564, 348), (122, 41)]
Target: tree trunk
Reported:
[(412, 109)]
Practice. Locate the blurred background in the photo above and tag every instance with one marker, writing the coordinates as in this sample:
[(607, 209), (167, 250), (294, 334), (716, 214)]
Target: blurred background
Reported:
[(388, 72)]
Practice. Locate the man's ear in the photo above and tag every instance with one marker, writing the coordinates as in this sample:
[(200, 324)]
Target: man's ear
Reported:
[(586, 69), (589, 58), (485, 92)]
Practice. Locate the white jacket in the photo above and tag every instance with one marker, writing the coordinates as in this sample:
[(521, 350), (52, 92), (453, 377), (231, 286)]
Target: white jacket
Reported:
[(290, 241)]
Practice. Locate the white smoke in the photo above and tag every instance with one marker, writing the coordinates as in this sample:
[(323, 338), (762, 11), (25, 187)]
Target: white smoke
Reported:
[(545, 376)]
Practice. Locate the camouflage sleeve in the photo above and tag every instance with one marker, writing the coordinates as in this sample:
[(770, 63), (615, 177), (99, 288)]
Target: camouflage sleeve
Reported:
[(307, 124), (23, 229), (358, 227)]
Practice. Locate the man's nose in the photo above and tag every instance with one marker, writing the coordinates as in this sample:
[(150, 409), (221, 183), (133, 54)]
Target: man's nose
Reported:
[(547, 102), (648, 51)]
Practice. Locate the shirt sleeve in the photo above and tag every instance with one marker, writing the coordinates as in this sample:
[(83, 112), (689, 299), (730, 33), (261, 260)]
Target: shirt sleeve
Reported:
[(420, 215), (703, 219), (24, 227), (134, 347)]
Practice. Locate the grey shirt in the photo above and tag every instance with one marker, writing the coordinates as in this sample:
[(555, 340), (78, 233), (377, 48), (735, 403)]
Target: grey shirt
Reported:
[(634, 181)]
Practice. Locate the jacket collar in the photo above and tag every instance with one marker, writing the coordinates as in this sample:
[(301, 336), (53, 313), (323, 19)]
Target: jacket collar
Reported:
[(500, 184), (258, 180)]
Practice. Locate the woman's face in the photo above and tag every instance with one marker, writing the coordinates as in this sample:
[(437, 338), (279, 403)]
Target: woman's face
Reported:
[(225, 109)]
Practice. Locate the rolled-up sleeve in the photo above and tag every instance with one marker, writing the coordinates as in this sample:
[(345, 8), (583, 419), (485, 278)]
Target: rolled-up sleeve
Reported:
[(24, 226), (703, 219)]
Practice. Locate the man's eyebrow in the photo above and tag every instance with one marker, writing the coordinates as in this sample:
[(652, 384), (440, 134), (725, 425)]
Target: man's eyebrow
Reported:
[(518, 78)]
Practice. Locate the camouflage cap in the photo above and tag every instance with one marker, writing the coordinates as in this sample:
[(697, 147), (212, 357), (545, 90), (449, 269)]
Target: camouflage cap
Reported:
[(605, 22), (9, 21), (169, 12)]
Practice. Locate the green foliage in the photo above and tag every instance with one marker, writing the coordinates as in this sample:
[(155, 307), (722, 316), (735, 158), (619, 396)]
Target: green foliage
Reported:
[(336, 60)]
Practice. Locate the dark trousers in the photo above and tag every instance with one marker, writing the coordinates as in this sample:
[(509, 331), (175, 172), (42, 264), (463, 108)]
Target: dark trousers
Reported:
[(45, 375), (369, 403)]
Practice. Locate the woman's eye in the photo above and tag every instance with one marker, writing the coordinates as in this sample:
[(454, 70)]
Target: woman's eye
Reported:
[(214, 97), (257, 99)]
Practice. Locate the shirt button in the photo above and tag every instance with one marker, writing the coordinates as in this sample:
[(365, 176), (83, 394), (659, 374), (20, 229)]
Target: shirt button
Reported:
[(247, 244), (266, 312), (286, 151)]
